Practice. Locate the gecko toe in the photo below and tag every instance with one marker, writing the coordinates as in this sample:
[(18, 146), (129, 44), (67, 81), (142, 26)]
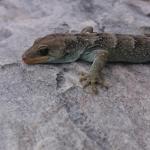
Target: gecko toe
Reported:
[(86, 83), (94, 89), (83, 76), (92, 81)]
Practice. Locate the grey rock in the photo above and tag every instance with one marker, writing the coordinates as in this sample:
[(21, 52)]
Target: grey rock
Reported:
[(44, 107)]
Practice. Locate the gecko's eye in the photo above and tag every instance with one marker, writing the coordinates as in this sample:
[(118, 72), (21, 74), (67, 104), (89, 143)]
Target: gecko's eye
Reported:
[(43, 52)]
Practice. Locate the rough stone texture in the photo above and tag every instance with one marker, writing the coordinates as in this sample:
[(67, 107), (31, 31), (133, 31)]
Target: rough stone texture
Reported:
[(43, 107)]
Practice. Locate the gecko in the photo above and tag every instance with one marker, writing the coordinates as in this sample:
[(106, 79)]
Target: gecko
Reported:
[(89, 46)]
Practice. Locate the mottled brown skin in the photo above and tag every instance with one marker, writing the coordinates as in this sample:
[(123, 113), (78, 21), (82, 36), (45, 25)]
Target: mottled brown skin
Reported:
[(98, 48)]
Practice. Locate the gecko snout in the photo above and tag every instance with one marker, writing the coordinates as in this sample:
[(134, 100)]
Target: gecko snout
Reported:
[(24, 58)]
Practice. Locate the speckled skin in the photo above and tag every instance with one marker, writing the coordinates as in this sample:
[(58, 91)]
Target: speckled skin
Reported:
[(98, 48)]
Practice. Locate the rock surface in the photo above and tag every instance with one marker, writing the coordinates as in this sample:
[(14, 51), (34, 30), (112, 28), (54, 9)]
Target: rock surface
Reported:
[(43, 107)]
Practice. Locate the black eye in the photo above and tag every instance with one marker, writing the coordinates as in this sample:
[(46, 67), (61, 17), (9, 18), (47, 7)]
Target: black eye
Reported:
[(43, 52)]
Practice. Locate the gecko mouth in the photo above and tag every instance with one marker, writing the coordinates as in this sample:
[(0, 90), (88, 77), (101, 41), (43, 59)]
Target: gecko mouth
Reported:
[(36, 60)]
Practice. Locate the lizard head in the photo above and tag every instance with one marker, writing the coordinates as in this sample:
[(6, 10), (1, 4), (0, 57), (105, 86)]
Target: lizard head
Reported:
[(44, 50)]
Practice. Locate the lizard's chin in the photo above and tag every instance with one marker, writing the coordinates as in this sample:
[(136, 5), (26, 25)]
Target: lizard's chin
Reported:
[(38, 60)]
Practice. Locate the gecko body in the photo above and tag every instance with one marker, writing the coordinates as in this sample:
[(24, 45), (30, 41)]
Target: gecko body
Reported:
[(98, 48)]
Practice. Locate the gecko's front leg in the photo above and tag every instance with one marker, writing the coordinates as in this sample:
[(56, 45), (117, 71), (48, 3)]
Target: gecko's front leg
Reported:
[(94, 77)]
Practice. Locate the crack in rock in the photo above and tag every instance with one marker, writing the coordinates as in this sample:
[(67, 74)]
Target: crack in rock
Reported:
[(80, 119), (9, 65)]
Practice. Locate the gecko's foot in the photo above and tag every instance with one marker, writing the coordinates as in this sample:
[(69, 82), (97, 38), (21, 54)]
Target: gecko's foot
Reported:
[(92, 81)]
